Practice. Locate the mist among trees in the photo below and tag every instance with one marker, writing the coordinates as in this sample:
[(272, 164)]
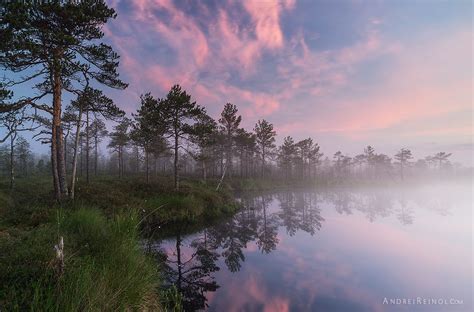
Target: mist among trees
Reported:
[(173, 136), (169, 134)]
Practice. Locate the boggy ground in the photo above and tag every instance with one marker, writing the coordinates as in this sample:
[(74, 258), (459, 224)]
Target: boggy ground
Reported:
[(105, 267)]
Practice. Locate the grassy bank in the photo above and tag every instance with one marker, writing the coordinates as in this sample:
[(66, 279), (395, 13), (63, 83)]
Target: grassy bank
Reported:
[(105, 268)]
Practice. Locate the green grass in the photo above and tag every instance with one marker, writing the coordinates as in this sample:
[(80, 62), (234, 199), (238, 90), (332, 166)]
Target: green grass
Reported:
[(106, 269), (112, 273), (172, 300)]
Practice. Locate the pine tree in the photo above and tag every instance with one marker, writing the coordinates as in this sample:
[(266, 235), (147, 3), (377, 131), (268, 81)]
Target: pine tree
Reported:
[(146, 129), (204, 136), (14, 122), (287, 155), (89, 100), (229, 124), (403, 156), (309, 156), (23, 155), (177, 116), (369, 153), (119, 139), (265, 136), (441, 158), (246, 144), (53, 45), (98, 131)]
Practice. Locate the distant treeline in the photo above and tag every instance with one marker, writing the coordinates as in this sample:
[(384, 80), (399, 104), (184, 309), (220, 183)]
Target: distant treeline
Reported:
[(146, 145)]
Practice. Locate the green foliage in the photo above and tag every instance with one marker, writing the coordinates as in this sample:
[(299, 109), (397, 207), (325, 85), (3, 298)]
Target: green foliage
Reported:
[(265, 139), (106, 268), (112, 273), (147, 122), (171, 299), (229, 125), (55, 46), (174, 207), (23, 261), (193, 203), (63, 31), (265, 135), (120, 136), (6, 203), (177, 116)]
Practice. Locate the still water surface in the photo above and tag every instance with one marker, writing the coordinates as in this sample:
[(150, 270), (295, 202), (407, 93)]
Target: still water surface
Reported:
[(331, 250)]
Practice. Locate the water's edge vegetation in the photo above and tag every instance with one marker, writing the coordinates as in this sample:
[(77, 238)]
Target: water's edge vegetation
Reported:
[(105, 267)]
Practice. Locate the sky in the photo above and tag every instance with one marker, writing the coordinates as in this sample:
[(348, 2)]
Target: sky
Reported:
[(347, 73)]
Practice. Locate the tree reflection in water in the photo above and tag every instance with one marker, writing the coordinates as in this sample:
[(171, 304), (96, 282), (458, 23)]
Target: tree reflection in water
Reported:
[(191, 273), (300, 211), (382, 203), (191, 260)]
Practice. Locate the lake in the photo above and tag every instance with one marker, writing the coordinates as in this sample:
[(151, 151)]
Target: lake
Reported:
[(361, 249)]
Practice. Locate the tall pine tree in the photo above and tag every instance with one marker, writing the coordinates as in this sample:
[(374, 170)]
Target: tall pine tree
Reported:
[(55, 46), (178, 113)]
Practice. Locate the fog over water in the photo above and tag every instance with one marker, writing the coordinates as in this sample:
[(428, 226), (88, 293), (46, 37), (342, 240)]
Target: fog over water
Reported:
[(341, 249)]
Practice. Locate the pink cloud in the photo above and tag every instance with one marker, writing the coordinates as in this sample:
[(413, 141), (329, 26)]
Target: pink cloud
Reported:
[(310, 87), (277, 305), (233, 44), (418, 87), (398, 245), (184, 36), (227, 45), (242, 46), (251, 292), (322, 72), (256, 104), (266, 16)]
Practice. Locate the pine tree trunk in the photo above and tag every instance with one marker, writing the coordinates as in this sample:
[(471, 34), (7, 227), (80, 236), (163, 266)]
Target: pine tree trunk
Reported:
[(54, 164), (229, 154), (222, 178), (12, 160), (87, 147), (81, 146), (401, 169), (120, 161), (57, 147), (222, 163), (74, 156), (204, 171), (241, 163), (176, 173), (96, 156), (147, 167), (137, 158), (65, 149), (247, 165)]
